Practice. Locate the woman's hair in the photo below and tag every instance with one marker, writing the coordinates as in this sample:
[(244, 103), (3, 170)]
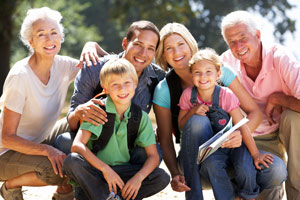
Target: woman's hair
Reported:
[(119, 66), (34, 15), (206, 54), (167, 30), (239, 17)]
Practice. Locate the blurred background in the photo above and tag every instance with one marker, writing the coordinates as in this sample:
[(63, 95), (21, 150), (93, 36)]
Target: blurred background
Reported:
[(106, 22)]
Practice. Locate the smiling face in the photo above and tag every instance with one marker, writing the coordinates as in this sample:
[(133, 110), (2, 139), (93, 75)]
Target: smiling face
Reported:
[(176, 51), (243, 44), (205, 75), (140, 51), (46, 38), (121, 89)]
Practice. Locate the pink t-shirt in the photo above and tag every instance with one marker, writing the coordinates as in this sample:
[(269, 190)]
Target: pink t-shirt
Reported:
[(280, 73), (227, 100)]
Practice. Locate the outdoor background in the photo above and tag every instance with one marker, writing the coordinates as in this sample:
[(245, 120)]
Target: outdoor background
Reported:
[(106, 22)]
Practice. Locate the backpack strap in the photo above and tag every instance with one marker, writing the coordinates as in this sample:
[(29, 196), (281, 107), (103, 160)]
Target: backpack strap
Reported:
[(175, 90), (108, 128), (216, 96), (194, 93), (133, 125)]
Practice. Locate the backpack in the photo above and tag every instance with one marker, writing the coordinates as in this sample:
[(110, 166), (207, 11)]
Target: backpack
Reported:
[(108, 128)]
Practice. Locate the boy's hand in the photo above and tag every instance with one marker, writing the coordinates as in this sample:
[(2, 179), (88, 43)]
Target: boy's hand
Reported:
[(131, 188), (263, 159), (201, 110), (113, 179)]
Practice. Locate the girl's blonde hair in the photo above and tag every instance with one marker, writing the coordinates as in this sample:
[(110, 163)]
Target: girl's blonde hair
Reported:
[(206, 54)]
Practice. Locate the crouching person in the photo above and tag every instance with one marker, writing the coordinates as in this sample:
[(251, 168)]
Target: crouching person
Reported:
[(100, 162)]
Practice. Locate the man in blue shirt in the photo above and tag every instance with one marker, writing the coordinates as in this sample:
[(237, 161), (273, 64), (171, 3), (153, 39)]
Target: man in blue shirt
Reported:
[(139, 47)]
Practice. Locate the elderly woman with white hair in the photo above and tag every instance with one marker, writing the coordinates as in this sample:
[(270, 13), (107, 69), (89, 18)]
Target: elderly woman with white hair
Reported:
[(33, 96)]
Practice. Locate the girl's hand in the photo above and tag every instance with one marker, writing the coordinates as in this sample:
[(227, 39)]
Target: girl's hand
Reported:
[(233, 140), (201, 109), (263, 159), (113, 179)]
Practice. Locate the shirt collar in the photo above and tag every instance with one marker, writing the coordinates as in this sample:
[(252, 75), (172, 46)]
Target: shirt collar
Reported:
[(110, 108)]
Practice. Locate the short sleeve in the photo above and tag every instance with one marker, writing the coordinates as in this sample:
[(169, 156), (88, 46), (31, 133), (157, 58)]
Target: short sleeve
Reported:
[(14, 94), (162, 94), (228, 101), (184, 102), (227, 75), (95, 130), (146, 134)]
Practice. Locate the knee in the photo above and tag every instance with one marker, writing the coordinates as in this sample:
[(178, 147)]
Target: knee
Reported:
[(64, 142), (196, 125), (163, 178), (72, 162), (290, 116), (211, 167), (46, 173)]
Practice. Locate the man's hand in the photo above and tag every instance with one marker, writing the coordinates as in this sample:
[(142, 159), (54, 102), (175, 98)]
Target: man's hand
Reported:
[(234, 140), (271, 106), (91, 113), (56, 158), (91, 53), (178, 184)]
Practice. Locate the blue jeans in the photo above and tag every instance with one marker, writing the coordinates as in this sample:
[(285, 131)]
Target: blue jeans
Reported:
[(197, 130), (94, 185)]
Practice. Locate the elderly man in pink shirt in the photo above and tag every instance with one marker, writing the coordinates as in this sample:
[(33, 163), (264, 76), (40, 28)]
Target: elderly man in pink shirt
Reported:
[(272, 76)]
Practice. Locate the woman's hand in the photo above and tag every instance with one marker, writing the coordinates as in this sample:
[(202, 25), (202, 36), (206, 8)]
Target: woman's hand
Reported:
[(56, 158), (233, 140)]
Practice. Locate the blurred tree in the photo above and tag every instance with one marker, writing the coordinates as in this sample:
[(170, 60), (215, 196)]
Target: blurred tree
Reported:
[(202, 17), (12, 15)]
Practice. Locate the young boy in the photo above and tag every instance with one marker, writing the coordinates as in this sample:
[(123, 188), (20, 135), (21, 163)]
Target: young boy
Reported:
[(108, 169)]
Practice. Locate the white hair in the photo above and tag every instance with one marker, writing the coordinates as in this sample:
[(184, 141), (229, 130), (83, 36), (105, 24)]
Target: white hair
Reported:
[(34, 15), (239, 17)]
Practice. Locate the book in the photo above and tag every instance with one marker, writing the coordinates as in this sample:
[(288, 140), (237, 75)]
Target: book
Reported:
[(211, 145)]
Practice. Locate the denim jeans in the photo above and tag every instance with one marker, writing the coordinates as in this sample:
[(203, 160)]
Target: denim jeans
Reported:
[(94, 185), (197, 130)]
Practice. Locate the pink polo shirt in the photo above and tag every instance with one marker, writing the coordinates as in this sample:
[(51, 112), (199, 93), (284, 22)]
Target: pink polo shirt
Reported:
[(280, 73)]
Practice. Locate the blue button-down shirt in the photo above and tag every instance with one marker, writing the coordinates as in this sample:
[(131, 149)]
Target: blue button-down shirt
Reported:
[(87, 81)]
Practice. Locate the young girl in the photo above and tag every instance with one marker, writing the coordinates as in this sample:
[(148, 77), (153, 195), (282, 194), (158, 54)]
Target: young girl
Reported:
[(217, 104)]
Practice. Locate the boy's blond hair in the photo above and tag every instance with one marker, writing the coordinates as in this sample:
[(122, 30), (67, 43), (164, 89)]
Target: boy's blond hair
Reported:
[(206, 54), (119, 66)]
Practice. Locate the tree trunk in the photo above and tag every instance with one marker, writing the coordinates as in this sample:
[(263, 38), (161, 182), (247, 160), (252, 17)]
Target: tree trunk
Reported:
[(7, 7)]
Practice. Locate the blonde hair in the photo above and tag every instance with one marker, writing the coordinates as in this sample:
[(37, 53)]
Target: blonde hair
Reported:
[(34, 15), (239, 17), (119, 66), (206, 54), (167, 30)]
